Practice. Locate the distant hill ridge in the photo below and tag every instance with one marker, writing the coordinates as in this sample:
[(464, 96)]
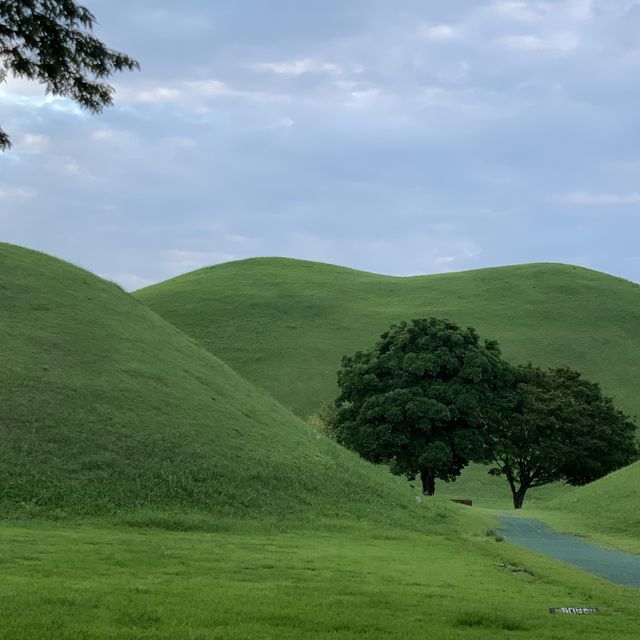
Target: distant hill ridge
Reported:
[(285, 323)]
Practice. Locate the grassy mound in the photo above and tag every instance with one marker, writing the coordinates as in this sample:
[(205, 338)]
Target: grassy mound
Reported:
[(106, 407), (608, 505), (285, 324)]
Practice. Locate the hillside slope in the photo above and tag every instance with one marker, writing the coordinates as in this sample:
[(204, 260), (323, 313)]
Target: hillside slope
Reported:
[(609, 505), (105, 407), (285, 324)]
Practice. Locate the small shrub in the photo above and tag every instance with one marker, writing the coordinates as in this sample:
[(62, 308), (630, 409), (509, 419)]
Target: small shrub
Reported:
[(322, 420)]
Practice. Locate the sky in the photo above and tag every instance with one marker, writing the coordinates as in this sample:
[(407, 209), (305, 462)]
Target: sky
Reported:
[(405, 137)]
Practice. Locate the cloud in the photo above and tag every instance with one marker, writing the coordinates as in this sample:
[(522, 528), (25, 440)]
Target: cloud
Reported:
[(128, 281), (299, 67), (210, 88), (34, 141), (560, 42), (519, 10), (193, 96), (438, 33), (185, 260), (158, 94), (339, 131), (580, 9), (16, 194), (600, 199)]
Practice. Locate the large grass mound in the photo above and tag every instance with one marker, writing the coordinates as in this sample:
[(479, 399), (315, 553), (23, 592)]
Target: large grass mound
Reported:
[(285, 324), (106, 407), (608, 505)]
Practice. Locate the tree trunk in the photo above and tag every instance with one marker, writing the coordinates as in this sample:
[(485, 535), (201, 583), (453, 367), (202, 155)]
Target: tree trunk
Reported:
[(428, 482), (518, 496)]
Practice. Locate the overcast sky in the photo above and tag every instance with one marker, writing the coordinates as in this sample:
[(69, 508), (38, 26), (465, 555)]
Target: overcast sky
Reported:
[(401, 137)]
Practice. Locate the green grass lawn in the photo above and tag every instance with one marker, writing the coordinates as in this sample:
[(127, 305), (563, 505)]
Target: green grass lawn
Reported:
[(120, 583), (605, 510), (610, 504), (148, 491), (107, 408), (285, 324), (493, 493)]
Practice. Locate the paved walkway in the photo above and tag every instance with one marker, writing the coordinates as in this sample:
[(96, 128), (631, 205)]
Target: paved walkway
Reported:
[(615, 566)]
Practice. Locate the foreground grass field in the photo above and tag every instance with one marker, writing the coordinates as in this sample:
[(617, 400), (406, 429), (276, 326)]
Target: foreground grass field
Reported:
[(285, 324), (350, 583)]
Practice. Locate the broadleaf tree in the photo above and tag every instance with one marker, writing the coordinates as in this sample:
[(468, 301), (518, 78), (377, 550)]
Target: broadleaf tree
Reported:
[(418, 399), (50, 41), (554, 425)]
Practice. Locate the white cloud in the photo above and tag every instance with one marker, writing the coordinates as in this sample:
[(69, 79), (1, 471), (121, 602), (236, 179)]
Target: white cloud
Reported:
[(35, 141), (560, 42), (178, 259), (210, 88), (363, 98), (299, 67), (532, 12), (16, 194), (158, 95), (519, 10), (128, 281), (580, 9), (437, 33), (193, 96), (104, 134), (600, 199), (71, 168)]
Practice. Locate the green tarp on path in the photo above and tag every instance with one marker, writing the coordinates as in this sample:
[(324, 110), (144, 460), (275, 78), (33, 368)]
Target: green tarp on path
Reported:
[(615, 566)]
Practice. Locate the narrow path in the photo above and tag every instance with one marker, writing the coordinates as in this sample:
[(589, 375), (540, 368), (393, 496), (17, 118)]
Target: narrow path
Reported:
[(615, 566)]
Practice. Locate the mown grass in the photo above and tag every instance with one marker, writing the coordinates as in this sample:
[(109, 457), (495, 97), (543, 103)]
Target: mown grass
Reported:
[(105, 408), (493, 493), (285, 324), (163, 496), (605, 510), (124, 584)]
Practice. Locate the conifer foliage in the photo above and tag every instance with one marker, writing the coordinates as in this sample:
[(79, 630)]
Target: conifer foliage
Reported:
[(50, 41)]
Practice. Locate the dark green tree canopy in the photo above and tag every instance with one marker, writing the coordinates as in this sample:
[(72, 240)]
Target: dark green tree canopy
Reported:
[(555, 425), (49, 41), (417, 401)]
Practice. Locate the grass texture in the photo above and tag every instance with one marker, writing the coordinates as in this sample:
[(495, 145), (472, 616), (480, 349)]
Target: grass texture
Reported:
[(148, 491), (105, 407), (606, 509), (73, 584), (285, 324)]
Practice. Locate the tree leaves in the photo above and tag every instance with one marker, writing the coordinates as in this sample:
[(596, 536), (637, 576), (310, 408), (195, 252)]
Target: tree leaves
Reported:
[(49, 41), (415, 401), (555, 425)]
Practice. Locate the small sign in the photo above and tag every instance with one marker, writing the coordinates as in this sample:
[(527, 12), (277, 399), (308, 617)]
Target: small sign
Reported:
[(575, 610)]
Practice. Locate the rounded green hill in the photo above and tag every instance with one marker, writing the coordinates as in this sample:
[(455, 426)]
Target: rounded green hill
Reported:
[(106, 407), (285, 324)]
